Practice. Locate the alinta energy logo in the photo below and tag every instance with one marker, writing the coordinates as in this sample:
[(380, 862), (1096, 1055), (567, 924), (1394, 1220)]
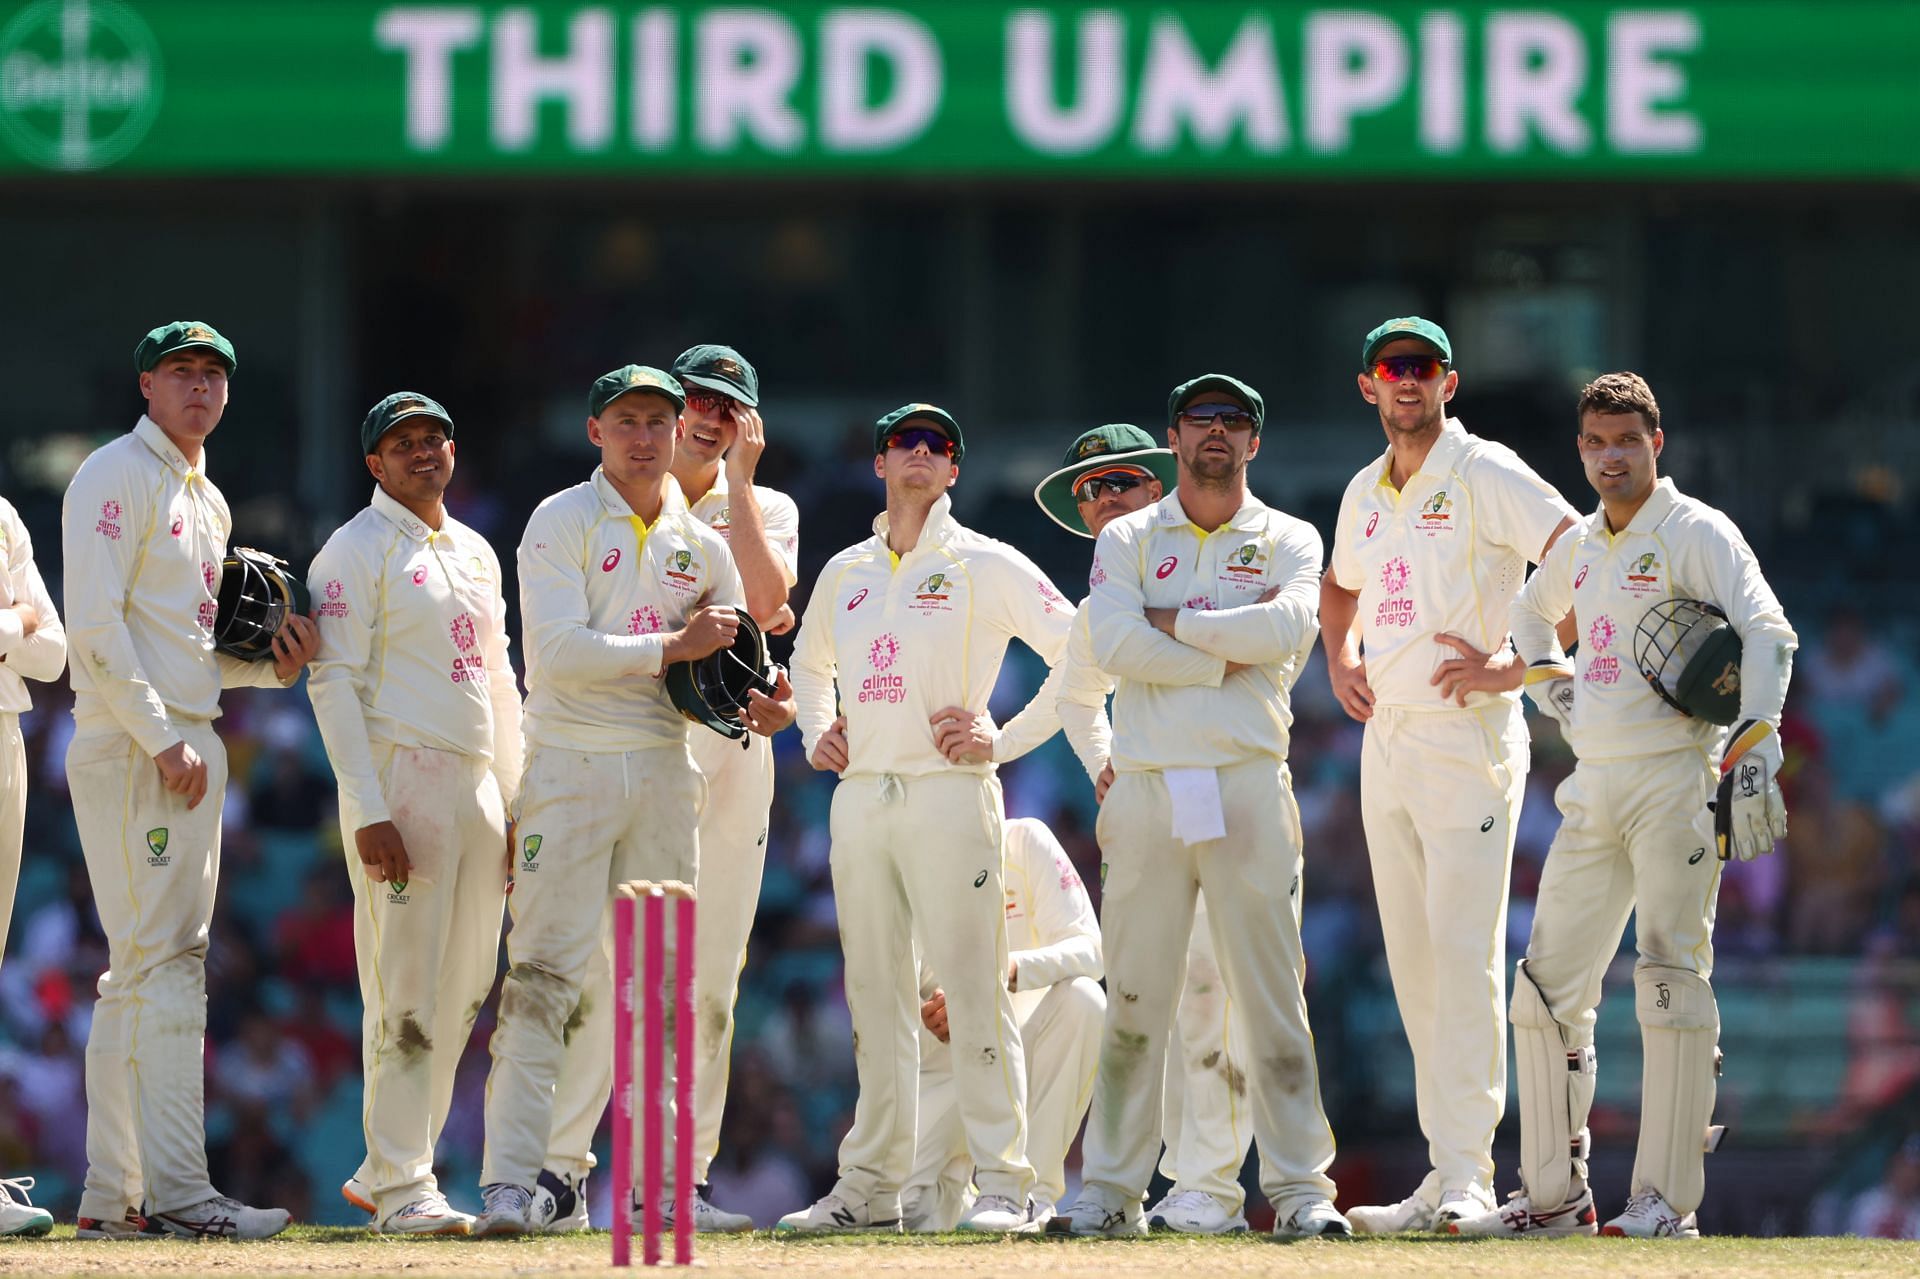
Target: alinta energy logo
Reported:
[(80, 83)]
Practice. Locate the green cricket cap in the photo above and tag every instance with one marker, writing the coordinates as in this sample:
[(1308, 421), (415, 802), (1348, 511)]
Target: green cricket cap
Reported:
[(1115, 445), (1406, 326), (719, 368), (390, 412), (932, 414), (179, 335), (609, 387), (1187, 392)]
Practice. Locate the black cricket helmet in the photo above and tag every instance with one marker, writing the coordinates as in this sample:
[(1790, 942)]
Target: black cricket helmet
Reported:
[(256, 595), (1690, 655), (712, 690)]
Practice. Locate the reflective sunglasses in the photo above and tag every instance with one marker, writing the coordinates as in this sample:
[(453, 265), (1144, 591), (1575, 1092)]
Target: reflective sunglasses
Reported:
[(913, 436), (1116, 482), (712, 402), (1231, 416), (1421, 368)]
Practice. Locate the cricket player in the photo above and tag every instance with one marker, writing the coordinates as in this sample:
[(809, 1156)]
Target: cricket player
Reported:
[(713, 464), (33, 646), (1053, 970), (144, 533), (1108, 472), (1432, 543), (1636, 834), (1201, 800), (617, 580), (911, 626), (420, 713)]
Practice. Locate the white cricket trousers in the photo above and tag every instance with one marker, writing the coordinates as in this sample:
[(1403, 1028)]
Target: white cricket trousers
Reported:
[(1252, 882), (427, 950), (733, 851), (1636, 839), (13, 814), (586, 822), (154, 864), (1440, 795), (1060, 1037), (1206, 1120), (916, 865)]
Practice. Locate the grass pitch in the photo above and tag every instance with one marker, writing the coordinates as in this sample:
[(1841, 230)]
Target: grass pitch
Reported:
[(313, 1250)]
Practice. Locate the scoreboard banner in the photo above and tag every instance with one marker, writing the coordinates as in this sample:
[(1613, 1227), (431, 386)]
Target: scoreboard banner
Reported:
[(1727, 89)]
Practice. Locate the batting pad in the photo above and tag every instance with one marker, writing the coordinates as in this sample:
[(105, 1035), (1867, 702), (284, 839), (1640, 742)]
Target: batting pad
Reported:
[(1555, 1065), (1679, 1034)]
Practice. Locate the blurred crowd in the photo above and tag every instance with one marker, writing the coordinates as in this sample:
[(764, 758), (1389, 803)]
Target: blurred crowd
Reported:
[(283, 1085)]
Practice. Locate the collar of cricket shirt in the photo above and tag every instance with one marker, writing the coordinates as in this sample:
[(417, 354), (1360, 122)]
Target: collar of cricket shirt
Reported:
[(1168, 513), (936, 530), (156, 439), (671, 498), (403, 519), (1657, 507), (1439, 459)]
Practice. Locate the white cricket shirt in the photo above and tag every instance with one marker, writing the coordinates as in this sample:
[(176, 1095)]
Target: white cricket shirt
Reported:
[(43, 654)]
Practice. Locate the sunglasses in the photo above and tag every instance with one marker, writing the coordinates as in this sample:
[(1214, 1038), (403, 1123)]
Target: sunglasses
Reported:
[(1421, 368), (1115, 482), (1231, 416), (712, 402), (914, 436)]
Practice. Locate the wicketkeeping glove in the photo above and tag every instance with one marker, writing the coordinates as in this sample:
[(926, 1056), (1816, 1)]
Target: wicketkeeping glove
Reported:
[(1550, 685), (1749, 813)]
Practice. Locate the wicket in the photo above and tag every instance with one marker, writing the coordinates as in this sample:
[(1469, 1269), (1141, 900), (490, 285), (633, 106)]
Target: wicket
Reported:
[(652, 978)]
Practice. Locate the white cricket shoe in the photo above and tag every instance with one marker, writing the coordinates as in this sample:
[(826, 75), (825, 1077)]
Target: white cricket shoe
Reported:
[(559, 1204), (428, 1215), (1314, 1219), (707, 1218), (1519, 1219), (833, 1215), (1001, 1215), (131, 1226), (1469, 1202), (504, 1209), (359, 1194), (18, 1216), (222, 1217), (1415, 1212), (1089, 1218), (1649, 1216), (1195, 1212)]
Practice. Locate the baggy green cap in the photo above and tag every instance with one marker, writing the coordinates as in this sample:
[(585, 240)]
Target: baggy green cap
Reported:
[(1116, 444), (1187, 392), (1407, 326), (179, 335), (719, 368), (932, 414), (609, 387), (389, 413)]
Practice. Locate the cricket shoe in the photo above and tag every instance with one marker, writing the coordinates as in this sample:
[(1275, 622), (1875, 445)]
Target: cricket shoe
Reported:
[(1314, 1219), (130, 1226), (1415, 1212), (428, 1215), (504, 1209), (359, 1194), (1195, 1212), (222, 1217), (1519, 1220), (559, 1204), (1455, 1204), (833, 1215), (707, 1218), (18, 1216), (1649, 1216), (1088, 1218), (1002, 1215)]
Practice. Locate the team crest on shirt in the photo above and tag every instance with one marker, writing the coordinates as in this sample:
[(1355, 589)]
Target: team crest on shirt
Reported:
[(880, 686), (397, 893), (529, 853), (157, 847), (1643, 575), (933, 594), (1397, 610), (680, 576), (1435, 514), (1603, 667), (477, 568), (1251, 558)]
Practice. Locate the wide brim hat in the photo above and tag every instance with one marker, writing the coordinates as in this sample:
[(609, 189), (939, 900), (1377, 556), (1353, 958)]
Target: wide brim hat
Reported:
[(1103, 448)]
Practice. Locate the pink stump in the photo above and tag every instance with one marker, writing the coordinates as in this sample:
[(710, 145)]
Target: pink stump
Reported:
[(622, 1079), (683, 1023), (653, 1130)]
